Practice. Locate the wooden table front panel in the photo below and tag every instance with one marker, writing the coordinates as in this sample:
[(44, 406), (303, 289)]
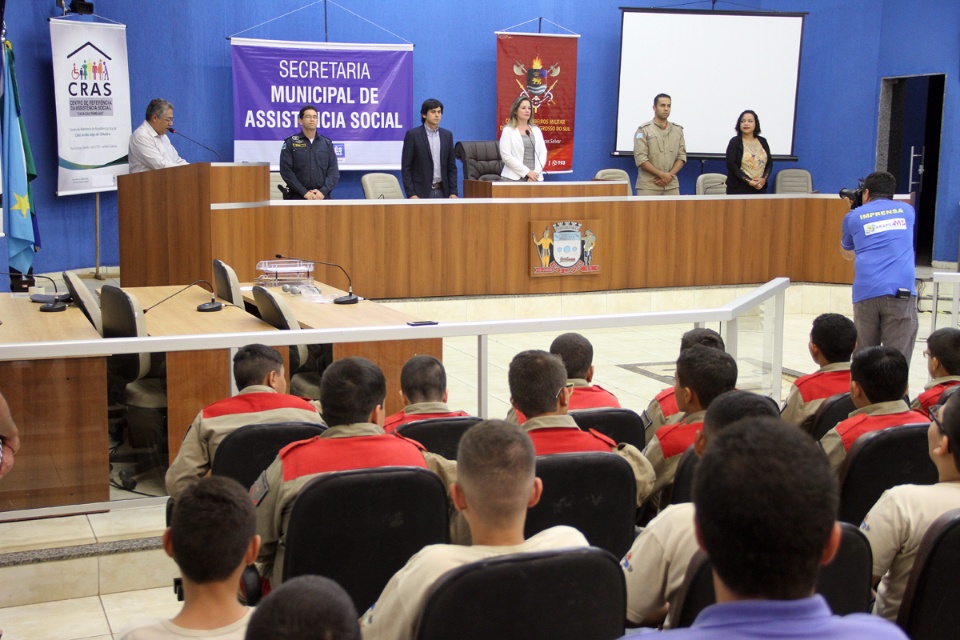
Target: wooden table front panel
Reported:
[(572, 189)]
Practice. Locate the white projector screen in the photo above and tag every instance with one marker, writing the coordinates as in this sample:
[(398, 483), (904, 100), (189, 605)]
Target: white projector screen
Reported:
[(714, 65)]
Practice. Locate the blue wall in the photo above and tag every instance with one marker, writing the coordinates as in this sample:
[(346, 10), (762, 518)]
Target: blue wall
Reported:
[(178, 50)]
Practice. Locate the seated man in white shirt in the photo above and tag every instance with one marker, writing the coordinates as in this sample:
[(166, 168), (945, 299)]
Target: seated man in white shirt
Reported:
[(149, 146), (495, 487)]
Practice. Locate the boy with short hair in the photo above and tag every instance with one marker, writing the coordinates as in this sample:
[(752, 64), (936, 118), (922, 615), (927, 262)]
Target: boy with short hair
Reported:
[(833, 338), (212, 538), (305, 608), (423, 392), (943, 364), (577, 355)]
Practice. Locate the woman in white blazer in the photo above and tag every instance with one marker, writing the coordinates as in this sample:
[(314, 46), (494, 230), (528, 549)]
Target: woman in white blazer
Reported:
[(521, 144)]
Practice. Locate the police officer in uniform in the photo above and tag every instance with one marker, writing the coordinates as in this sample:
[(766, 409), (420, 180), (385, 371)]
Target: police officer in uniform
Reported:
[(659, 151), (308, 163)]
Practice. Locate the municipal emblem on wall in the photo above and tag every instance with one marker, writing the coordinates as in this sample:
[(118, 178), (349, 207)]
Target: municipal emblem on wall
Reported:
[(538, 86), (564, 249)]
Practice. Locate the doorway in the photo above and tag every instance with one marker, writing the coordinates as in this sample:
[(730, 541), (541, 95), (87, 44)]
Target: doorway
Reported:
[(908, 146)]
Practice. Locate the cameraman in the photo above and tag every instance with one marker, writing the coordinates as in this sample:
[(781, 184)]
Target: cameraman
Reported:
[(878, 236)]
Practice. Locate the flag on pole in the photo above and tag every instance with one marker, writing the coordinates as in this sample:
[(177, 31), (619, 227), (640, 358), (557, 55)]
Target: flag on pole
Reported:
[(18, 171)]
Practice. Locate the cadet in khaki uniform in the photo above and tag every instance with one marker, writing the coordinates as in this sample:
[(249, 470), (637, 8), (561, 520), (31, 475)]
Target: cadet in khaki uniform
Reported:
[(352, 392), (659, 151), (258, 370), (943, 365)]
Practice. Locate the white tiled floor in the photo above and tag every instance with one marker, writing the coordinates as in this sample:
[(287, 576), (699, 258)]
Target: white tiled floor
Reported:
[(99, 616)]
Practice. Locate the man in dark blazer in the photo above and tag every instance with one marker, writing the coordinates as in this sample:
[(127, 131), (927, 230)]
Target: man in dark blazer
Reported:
[(428, 167)]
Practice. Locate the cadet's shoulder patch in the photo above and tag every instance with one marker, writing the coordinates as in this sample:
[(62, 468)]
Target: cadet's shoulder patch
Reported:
[(284, 145), (639, 135), (259, 489)]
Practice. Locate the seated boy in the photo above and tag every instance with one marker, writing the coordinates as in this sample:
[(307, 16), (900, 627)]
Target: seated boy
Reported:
[(878, 382), (577, 355), (423, 392), (832, 341), (943, 364), (663, 409), (496, 486), (703, 373), (258, 370), (304, 608), (212, 539)]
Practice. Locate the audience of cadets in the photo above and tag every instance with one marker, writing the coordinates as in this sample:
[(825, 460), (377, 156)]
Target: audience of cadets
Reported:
[(212, 539), (663, 409), (702, 374), (896, 524), (496, 486), (656, 564), (352, 391), (305, 608), (259, 373), (538, 390), (878, 384), (423, 393), (943, 364), (832, 341), (765, 505)]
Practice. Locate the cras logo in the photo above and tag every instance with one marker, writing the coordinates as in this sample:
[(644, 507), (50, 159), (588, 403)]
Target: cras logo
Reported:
[(538, 88), (566, 251), (89, 89)]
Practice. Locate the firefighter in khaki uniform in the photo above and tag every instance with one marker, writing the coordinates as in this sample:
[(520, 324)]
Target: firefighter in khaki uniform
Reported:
[(659, 151), (352, 392)]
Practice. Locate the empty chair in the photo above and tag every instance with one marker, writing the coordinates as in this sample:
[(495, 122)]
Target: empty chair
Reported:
[(227, 284), (278, 188), (830, 413), (144, 399), (360, 527), (381, 186), (880, 460), (620, 425), (84, 299), (711, 184), (245, 453), (439, 435), (793, 181), (275, 312), (593, 492), (846, 582), (929, 608), (480, 159), (614, 175), (561, 595)]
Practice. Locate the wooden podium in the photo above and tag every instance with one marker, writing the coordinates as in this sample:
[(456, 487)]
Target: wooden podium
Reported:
[(512, 189)]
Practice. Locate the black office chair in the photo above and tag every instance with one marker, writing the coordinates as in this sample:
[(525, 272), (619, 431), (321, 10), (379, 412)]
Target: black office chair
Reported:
[(697, 592), (246, 452), (360, 527), (439, 435), (946, 395), (481, 159), (683, 478), (880, 460), (304, 373), (929, 608), (846, 581), (620, 425), (562, 595), (143, 424), (593, 492), (830, 413)]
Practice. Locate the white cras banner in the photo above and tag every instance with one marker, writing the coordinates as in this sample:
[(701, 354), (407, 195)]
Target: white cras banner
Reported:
[(92, 92)]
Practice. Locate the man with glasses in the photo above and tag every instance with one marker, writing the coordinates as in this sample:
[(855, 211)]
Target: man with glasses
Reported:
[(308, 163), (896, 524), (150, 148), (539, 390)]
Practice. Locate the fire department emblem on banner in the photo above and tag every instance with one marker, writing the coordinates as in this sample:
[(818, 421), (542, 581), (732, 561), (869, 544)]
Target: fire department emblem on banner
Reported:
[(539, 81), (564, 248)]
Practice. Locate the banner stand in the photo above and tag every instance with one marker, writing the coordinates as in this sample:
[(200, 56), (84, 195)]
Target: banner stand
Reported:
[(96, 273)]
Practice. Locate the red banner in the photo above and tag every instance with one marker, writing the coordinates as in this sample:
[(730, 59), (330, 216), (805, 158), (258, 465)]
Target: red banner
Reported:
[(544, 69)]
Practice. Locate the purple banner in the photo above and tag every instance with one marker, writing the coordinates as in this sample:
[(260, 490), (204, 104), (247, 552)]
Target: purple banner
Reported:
[(363, 94)]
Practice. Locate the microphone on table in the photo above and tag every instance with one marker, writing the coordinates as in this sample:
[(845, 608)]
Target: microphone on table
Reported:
[(213, 305), (347, 299), (172, 130), (56, 305)]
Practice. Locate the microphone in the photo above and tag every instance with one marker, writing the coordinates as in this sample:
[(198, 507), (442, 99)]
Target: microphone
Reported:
[(347, 299), (172, 130), (213, 305), (56, 304)]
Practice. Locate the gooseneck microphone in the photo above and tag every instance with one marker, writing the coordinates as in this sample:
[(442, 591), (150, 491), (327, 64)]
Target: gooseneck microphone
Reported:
[(206, 307), (172, 130), (56, 305), (350, 298)]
